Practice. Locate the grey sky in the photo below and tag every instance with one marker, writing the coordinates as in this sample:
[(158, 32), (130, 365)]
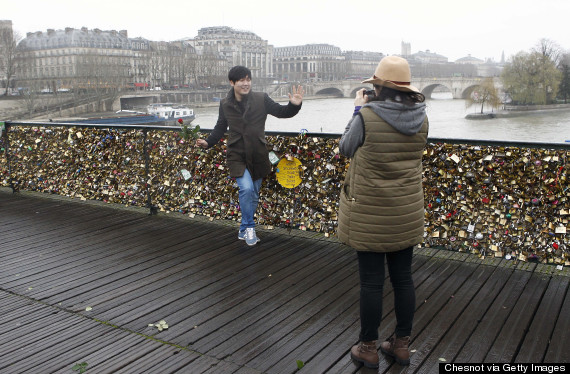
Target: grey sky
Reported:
[(453, 28)]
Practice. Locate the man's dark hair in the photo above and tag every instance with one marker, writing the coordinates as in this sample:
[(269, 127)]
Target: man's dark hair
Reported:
[(238, 72), (408, 98)]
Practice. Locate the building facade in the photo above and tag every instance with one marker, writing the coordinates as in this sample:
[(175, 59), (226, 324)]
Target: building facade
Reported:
[(361, 65), (309, 62), (81, 59), (237, 47)]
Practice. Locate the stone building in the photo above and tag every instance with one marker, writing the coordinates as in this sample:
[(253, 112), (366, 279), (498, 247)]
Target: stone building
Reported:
[(360, 65), (469, 60), (487, 68), (309, 62), (237, 48), (81, 59), (428, 57)]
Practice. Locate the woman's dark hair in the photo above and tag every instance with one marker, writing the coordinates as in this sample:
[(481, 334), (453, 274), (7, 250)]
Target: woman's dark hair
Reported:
[(238, 72), (405, 97)]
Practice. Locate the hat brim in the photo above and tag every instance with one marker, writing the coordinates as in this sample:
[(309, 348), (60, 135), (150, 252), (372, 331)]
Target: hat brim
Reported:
[(389, 84)]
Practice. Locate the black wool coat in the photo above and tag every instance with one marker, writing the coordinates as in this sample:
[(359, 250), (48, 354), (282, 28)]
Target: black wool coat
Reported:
[(245, 125)]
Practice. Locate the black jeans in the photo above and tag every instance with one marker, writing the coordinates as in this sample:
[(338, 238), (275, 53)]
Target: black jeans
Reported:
[(372, 274)]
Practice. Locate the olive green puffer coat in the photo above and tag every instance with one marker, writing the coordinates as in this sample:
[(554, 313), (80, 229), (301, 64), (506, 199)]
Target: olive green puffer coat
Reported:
[(382, 200)]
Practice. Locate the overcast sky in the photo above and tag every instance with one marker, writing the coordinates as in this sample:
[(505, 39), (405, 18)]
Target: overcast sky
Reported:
[(452, 28)]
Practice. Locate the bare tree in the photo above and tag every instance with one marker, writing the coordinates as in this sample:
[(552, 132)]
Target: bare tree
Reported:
[(564, 88), (31, 97), (191, 69), (485, 94), (8, 52), (212, 67), (549, 50), (30, 78), (101, 76), (156, 65), (551, 55)]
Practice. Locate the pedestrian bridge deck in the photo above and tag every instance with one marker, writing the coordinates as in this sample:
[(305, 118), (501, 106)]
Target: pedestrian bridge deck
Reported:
[(81, 281)]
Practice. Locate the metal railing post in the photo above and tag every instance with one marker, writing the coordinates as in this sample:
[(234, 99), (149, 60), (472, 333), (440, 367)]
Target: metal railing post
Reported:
[(8, 158), (152, 209)]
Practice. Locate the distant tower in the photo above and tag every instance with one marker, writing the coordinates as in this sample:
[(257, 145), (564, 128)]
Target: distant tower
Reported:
[(503, 57), (6, 35), (406, 49), (6, 29)]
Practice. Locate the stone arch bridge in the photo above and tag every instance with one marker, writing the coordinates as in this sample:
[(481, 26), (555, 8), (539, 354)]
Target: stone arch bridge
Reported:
[(459, 87)]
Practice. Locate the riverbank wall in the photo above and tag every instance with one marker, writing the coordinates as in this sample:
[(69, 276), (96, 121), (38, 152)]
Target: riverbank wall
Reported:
[(510, 111)]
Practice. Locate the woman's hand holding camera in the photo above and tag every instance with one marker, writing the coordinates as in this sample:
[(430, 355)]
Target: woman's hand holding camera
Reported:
[(361, 98)]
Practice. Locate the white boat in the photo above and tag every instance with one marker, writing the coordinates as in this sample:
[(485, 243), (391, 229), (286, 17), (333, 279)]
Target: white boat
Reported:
[(171, 113)]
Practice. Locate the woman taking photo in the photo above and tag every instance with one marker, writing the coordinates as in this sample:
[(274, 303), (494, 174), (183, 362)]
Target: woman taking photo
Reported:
[(381, 212)]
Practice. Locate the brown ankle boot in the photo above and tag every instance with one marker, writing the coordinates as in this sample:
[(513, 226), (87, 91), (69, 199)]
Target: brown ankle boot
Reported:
[(397, 348), (366, 353)]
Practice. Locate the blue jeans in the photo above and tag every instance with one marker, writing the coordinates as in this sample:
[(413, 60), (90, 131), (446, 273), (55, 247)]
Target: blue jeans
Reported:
[(248, 199), (371, 270)]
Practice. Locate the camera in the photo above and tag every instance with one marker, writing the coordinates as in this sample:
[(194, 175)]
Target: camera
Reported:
[(370, 94)]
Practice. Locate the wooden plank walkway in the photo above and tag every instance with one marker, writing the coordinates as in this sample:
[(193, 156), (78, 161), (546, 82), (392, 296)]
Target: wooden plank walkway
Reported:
[(81, 282)]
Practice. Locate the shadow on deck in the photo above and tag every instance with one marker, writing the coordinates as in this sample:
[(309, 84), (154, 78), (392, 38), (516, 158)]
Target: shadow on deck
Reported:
[(81, 282)]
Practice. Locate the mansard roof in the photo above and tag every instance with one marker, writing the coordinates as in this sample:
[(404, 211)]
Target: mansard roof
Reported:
[(225, 31), (70, 37), (470, 59)]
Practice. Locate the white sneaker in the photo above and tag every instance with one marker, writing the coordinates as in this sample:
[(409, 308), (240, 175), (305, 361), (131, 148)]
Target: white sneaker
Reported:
[(241, 235), (250, 237)]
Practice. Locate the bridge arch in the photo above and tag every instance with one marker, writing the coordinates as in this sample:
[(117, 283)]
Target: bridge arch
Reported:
[(330, 91), (429, 89), (467, 91), (355, 90)]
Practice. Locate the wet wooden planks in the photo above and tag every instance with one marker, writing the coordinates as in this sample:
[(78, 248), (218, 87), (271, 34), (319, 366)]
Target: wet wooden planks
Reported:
[(238, 309), (45, 339)]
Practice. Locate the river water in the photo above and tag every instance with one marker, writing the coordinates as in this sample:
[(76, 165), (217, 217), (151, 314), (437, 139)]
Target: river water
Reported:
[(446, 116)]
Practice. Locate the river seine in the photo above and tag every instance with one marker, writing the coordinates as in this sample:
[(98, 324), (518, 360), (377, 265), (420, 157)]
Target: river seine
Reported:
[(446, 116)]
